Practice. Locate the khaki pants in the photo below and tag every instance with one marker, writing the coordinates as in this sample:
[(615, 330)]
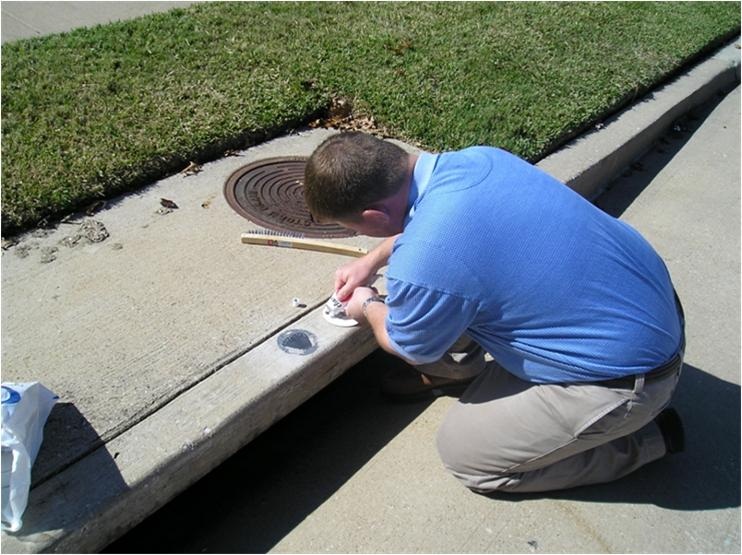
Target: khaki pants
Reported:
[(510, 435)]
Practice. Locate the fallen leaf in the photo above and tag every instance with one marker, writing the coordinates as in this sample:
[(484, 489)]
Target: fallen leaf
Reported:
[(191, 169)]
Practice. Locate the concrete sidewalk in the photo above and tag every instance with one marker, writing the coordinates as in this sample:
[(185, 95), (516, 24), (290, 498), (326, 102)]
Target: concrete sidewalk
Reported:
[(161, 340), (22, 20)]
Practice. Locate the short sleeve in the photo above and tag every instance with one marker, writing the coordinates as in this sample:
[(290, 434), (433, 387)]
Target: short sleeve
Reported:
[(422, 323)]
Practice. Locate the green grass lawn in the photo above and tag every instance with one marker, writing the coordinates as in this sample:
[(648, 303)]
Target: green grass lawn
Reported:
[(95, 112)]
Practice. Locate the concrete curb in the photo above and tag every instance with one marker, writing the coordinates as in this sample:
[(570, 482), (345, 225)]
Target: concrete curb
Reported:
[(591, 161), (109, 491), (93, 502)]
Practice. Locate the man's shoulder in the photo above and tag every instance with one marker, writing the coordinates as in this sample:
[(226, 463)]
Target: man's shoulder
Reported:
[(473, 165), (468, 156), (478, 153)]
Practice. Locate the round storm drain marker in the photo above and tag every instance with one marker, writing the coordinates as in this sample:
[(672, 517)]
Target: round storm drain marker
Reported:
[(297, 342), (270, 193)]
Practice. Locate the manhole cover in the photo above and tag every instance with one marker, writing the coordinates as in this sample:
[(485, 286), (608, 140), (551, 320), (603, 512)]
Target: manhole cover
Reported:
[(270, 193)]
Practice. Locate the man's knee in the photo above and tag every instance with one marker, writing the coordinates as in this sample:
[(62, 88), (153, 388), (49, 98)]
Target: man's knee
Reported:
[(448, 446), (460, 460), (465, 462), (463, 456)]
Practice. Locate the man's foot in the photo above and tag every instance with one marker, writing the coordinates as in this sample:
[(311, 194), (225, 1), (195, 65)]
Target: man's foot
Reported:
[(402, 384), (672, 430)]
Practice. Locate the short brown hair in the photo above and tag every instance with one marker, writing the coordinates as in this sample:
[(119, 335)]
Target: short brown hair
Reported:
[(350, 171)]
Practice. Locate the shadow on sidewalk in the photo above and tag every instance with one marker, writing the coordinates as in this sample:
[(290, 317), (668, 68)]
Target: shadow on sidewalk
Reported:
[(68, 437), (73, 475), (264, 491), (706, 476), (634, 179)]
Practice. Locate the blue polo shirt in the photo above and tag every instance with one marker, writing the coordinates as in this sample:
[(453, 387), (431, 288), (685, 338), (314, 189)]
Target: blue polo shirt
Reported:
[(552, 287)]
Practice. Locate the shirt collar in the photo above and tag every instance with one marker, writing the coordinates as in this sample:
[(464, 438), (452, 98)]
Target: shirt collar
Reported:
[(424, 167)]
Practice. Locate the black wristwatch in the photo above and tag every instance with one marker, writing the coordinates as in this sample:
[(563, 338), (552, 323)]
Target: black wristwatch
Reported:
[(371, 299)]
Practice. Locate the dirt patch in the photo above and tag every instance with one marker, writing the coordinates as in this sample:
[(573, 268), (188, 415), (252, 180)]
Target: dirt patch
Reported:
[(48, 254), (342, 115), (21, 251)]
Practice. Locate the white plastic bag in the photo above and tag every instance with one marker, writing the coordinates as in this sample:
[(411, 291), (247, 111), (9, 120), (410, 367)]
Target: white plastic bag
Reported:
[(25, 408)]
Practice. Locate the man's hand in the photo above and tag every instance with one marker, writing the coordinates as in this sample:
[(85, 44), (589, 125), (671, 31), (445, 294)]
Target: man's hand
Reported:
[(353, 275), (359, 272)]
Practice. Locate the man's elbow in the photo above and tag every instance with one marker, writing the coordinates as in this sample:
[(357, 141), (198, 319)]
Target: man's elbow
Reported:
[(382, 338), (386, 346)]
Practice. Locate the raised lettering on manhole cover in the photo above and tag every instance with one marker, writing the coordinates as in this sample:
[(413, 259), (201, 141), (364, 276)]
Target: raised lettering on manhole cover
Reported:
[(270, 193)]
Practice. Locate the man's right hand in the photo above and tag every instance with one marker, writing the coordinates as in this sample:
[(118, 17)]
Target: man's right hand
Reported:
[(351, 275), (361, 272)]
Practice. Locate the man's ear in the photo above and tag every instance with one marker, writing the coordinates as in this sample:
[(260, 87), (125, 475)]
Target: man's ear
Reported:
[(378, 216)]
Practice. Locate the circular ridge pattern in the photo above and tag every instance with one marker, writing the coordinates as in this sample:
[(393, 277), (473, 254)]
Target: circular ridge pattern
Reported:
[(270, 193)]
